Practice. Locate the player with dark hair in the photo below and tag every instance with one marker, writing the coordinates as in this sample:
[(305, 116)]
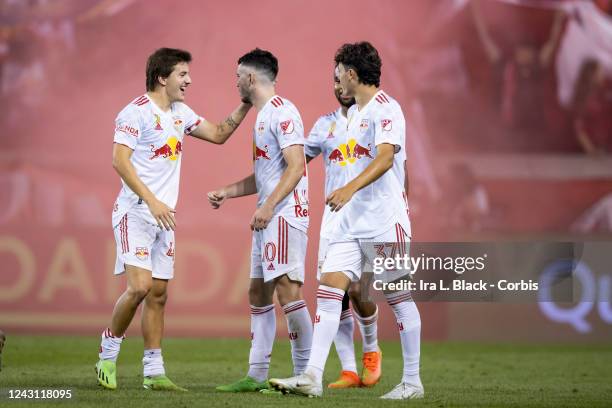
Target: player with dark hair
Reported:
[(329, 138), (279, 223), (373, 221), (148, 146)]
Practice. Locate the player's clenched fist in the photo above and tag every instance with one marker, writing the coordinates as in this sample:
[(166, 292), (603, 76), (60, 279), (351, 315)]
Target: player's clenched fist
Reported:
[(217, 198), (163, 214)]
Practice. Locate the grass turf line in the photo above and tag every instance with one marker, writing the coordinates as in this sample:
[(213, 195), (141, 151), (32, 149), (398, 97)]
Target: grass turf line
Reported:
[(454, 374)]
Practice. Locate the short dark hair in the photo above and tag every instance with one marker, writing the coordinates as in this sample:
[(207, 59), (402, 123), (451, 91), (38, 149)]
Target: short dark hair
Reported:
[(162, 62), (363, 58), (261, 60)]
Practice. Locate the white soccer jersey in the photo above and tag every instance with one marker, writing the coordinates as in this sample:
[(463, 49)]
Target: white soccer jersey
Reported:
[(157, 140), (278, 126), (377, 207), (328, 138)]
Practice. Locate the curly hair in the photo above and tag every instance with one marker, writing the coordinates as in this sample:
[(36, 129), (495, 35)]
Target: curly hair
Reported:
[(161, 64), (363, 58), (262, 60)]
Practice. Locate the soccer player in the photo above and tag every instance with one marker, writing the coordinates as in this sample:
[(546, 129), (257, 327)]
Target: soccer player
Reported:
[(279, 223), (328, 137), (372, 211), (148, 146)]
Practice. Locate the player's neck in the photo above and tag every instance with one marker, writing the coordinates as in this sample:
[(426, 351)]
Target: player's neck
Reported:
[(262, 96), (344, 110), (160, 99), (364, 94)]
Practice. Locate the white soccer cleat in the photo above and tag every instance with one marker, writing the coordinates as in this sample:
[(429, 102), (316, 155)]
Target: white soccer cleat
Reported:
[(405, 391), (302, 384)]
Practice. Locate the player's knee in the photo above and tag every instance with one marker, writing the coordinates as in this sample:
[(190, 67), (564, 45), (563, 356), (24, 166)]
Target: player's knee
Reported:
[(159, 299), (139, 291), (354, 293), (288, 292)]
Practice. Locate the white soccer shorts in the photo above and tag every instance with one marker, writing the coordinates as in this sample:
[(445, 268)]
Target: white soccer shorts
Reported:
[(352, 257), (144, 245), (278, 250)]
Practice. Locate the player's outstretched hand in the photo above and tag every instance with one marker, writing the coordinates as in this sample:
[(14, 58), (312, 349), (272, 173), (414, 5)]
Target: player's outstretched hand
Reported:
[(163, 214), (338, 198), (261, 218), (217, 198)]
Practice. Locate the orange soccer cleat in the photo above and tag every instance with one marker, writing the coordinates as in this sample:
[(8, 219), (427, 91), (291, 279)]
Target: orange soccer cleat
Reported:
[(348, 379), (372, 368)]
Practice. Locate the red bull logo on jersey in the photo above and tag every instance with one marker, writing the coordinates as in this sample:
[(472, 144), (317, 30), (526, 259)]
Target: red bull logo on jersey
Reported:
[(157, 122), (170, 150), (349, 153), (178, 124), (260, 153), (364, 125)]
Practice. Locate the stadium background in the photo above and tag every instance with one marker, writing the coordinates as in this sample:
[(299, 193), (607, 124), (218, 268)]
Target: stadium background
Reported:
[(478, 128)]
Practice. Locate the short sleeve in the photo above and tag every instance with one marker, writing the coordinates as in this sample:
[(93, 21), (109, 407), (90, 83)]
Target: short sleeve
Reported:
[(192, 120), (288, 128), (127, 127), (389, 126), (312, 148)]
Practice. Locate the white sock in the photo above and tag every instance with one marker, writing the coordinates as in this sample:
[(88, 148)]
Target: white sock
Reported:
[(299, 325), (263, 330), (110, 346), (409, 325), (369, 331), (327, 319), (344, 342), (153, 363)]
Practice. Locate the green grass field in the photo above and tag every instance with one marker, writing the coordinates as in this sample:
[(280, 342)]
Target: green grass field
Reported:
[(454, 375)]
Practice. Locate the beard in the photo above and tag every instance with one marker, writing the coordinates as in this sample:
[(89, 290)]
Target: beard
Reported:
[(344, 103)]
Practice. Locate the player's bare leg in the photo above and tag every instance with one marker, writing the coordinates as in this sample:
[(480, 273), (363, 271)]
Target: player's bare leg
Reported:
[(299, 324), (152, 332), (366, 314), (329, 306), (139, 284), (153, 314)]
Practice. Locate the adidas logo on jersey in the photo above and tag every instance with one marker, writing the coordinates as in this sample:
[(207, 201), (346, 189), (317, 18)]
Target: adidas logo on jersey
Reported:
[(271, 267)]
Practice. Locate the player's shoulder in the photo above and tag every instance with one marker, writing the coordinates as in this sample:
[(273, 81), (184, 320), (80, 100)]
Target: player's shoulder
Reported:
[(384, 103), (327, 118), (283, 107), (136, 106), (181, 108)]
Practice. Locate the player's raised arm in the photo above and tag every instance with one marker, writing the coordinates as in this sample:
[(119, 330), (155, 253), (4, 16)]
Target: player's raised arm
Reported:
[(219, 133), (381, 163), (124, 167)]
